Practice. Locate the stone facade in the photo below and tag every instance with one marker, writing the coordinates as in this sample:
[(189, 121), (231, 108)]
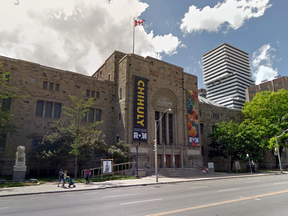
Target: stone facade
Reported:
[(209, 116), (47, 91)]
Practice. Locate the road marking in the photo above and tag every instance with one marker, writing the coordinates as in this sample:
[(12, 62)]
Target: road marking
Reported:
[(232, 189), (4, 208), (119, 196), (257, 199), (38, 197), (92, 193), (251, 181), (216, 204), (68, 195), (140, 201), (198, 187), (279, 183)]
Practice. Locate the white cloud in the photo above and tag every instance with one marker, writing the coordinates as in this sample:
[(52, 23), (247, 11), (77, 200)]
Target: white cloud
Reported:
[(77, 35), (262, 64), (228, 14)]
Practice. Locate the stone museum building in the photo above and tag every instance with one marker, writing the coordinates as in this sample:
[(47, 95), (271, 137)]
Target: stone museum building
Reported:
[(131, 93)]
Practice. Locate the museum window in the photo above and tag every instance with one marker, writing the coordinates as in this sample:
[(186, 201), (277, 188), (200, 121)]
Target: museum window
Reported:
[(39, 108), (213, 128), (7, 76), (6, 104), (88, 93), (120, 93), (97, 94), (57, 110), (215, 116), (93, 115), (2, 142), (170, 128), (50, 108), (98, 115), (164, 129), (45, 84), (92, 94), (51, 86), (57, 87), (201, 128), (108, 77)]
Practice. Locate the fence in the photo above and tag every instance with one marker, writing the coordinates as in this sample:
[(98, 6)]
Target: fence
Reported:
[(117, 169)]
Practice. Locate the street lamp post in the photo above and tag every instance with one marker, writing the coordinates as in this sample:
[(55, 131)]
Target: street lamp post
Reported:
[(137, 146), (155, 140), (278, 150)]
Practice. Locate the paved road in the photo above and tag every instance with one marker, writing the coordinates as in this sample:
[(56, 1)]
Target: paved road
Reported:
[(266, 195)]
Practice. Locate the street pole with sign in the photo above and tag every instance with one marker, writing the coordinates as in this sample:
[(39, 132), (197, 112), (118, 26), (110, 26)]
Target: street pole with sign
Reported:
[(155, 144)]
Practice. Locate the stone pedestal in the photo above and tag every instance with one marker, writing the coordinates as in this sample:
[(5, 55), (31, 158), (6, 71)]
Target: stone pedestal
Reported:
[(19, 170), (19, 173)]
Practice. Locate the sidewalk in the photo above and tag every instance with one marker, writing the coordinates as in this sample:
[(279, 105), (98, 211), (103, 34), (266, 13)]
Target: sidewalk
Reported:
[(150, 180)]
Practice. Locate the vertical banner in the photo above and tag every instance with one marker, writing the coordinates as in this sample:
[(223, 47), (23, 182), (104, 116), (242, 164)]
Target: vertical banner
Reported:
[(140, 109), (193, 122)]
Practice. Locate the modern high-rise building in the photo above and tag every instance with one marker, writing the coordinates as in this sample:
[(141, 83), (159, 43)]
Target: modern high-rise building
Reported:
[(226, 74)]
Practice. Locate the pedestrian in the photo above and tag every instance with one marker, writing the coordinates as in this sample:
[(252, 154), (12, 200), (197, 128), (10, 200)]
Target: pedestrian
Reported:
[(64, 178), (60, 177), (88, 175)]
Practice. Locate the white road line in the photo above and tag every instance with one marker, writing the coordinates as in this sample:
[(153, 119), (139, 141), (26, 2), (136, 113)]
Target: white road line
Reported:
[(232, 189), (4, 208), (198, 187), (38, 197), (279, 183), (92, 193), (140, 201), (68, 195), (107, 197), (256, 199), (251, 181)]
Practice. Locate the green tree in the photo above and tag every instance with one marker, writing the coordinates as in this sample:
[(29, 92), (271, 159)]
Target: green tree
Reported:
[(119, 152), (7, 92), (234, 141), (267, 113), (68, 137)]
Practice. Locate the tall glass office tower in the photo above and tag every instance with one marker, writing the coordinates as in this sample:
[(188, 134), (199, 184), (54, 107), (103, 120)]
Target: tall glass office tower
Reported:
[(226, 74)]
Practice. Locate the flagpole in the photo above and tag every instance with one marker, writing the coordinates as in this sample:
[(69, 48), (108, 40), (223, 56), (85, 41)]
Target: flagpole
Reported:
[(133, 34)]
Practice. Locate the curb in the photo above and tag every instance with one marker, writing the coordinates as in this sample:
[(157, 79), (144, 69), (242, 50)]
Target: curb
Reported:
[(144, 184)]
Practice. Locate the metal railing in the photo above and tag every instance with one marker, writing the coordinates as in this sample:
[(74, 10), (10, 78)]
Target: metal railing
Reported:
[(117, 169)]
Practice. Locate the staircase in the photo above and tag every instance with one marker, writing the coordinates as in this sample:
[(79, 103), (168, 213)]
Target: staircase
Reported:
[(178, 172)]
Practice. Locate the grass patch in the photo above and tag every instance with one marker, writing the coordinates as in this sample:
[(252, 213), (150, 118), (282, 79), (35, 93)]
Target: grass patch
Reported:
[(47, 179), (17, 184)]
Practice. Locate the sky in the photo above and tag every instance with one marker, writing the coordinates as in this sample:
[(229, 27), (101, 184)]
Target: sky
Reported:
[(78, 35)]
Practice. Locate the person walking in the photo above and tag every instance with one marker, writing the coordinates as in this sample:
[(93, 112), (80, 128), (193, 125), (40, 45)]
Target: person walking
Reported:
[(88, 175), (60, 177), (64, 178)]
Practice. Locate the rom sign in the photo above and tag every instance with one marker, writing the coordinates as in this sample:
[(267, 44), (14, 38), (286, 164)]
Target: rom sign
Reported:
[(140, 109)]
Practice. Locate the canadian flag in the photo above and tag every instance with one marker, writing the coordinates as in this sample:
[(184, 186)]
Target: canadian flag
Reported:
[(138, 22)]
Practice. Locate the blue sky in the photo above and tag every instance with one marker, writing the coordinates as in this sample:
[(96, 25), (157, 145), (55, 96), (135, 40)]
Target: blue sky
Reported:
[(79, 35)]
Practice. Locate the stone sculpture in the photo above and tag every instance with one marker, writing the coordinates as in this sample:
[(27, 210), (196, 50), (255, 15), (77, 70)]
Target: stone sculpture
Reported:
[(19, 169)]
